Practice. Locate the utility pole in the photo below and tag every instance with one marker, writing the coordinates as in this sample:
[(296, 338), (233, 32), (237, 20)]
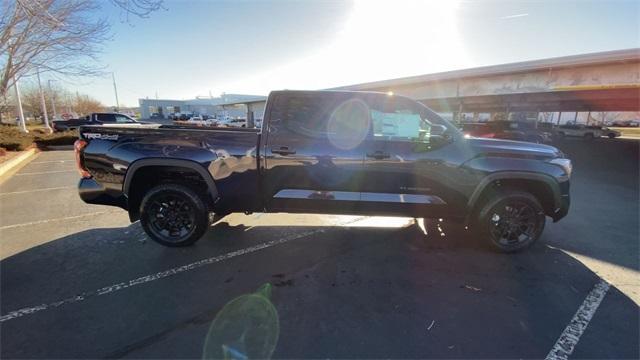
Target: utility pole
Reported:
[(43, 105), (53, 101), (23, 125), (115, 90)]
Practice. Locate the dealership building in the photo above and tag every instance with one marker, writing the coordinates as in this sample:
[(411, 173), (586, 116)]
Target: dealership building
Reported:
[(578, 88), (233, 105)]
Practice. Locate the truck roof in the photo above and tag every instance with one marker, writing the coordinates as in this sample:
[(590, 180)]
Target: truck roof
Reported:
[(312, 92)]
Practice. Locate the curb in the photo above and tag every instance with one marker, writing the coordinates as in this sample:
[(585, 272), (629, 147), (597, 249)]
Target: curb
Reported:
[(12, 166)]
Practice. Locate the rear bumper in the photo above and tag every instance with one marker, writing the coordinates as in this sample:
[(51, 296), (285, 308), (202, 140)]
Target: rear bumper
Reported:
[(92, 192)]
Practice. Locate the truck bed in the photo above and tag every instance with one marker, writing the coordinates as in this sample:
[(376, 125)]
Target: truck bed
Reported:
[(230, 155)]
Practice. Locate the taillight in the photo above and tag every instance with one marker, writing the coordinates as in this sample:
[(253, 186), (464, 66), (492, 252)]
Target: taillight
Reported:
[(78, 146)]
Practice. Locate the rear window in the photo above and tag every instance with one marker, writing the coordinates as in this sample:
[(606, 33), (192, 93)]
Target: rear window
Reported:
[(304, 114)]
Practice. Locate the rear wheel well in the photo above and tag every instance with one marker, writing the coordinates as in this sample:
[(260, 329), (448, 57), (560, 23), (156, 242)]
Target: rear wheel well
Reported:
[(539, 189), (148, 177)]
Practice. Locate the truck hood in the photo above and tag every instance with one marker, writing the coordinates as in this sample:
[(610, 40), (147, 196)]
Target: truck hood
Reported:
[(509, 147)]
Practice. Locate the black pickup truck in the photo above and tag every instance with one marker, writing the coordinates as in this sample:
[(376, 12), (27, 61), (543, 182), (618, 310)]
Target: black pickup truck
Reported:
[(335, 152), (95, 119)]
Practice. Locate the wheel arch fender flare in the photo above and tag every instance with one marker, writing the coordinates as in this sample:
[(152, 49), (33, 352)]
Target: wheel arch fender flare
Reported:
[(549, 181), (163, 162)]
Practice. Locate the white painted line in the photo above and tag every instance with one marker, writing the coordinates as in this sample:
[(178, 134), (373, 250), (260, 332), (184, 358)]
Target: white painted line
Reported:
[(45, 172), (571, 334), (56, 219), (37, 190), (51, 161), (161, 275)]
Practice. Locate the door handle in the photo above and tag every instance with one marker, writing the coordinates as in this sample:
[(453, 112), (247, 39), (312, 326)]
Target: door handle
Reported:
[(283, 150), (379, 155)]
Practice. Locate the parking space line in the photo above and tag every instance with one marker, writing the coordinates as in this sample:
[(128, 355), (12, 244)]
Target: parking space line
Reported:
[(51, 161), (163, 274), (37, 190), (56, 219), (571, 334), (45, 172)]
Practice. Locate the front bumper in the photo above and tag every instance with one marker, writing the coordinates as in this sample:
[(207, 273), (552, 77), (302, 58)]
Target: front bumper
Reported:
[(563, 203), (92, 192)]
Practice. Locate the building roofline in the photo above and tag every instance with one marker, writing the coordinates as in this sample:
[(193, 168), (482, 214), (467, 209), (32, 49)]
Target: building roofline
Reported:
[(615, 56)]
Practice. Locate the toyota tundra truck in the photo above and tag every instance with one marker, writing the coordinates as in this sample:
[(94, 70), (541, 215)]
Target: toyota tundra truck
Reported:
[(327, 152)]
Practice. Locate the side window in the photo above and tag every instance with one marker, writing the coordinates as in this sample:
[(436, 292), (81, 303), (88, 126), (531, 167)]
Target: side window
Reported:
[(122, 119), (399, 120), (106, 118), (301, 114), (342, 120)]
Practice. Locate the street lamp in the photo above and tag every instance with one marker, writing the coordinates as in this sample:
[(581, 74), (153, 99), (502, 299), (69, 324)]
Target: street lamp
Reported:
[(53, 100), (43, 105), (22, 124)]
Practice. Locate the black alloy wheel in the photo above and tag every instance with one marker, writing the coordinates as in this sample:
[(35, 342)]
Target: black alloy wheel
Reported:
[(512, 221), (173, 215)]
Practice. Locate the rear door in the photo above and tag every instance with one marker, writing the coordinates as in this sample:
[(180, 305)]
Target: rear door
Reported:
[(314, 152)]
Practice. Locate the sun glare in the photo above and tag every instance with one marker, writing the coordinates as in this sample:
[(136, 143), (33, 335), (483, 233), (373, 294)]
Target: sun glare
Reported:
[(380, 40)]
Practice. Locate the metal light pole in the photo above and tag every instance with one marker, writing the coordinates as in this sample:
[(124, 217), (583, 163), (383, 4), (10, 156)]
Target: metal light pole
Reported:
[(43, 105), (53, 101), (23, 125), (115, 89)]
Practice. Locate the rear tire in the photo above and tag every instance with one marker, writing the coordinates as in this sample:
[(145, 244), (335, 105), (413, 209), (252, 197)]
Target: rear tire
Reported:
[(173, 215), (611, 136), (588, 136), (511, 221)]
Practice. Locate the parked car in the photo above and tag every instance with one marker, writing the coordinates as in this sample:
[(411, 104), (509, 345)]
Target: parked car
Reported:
[(585, 132), (185, 116), (334, 152), (95, 119), (200, 121), (605, 131), (631, 123), (509, 130), (232, 122)]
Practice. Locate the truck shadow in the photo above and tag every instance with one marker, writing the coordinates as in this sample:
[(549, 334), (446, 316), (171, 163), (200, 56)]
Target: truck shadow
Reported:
[(340, 292)]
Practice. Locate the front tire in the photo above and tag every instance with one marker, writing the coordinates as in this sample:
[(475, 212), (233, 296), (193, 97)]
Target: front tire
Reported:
[(511, 221), (173, 215)]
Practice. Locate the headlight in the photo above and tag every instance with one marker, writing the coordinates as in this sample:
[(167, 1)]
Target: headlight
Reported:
[(565, 164)]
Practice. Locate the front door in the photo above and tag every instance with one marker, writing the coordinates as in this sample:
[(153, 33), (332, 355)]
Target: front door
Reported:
[(314, 152), (408, 161)]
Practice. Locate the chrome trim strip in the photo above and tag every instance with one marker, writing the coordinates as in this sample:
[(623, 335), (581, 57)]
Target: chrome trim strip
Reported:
[(359, 196), (401, 198)]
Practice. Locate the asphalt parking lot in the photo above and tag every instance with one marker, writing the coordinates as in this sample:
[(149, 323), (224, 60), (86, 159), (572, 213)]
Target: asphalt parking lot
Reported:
[(80, 281)]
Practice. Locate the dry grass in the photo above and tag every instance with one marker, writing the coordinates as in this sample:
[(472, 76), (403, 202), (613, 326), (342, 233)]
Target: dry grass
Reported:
[(12, 139)]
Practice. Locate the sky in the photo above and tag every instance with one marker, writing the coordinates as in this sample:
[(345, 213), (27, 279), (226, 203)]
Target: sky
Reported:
[(197, 48)]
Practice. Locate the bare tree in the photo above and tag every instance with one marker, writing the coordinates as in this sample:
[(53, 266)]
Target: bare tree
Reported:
[(140, 8), (6, 106), (85, 105), (58, 36)]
